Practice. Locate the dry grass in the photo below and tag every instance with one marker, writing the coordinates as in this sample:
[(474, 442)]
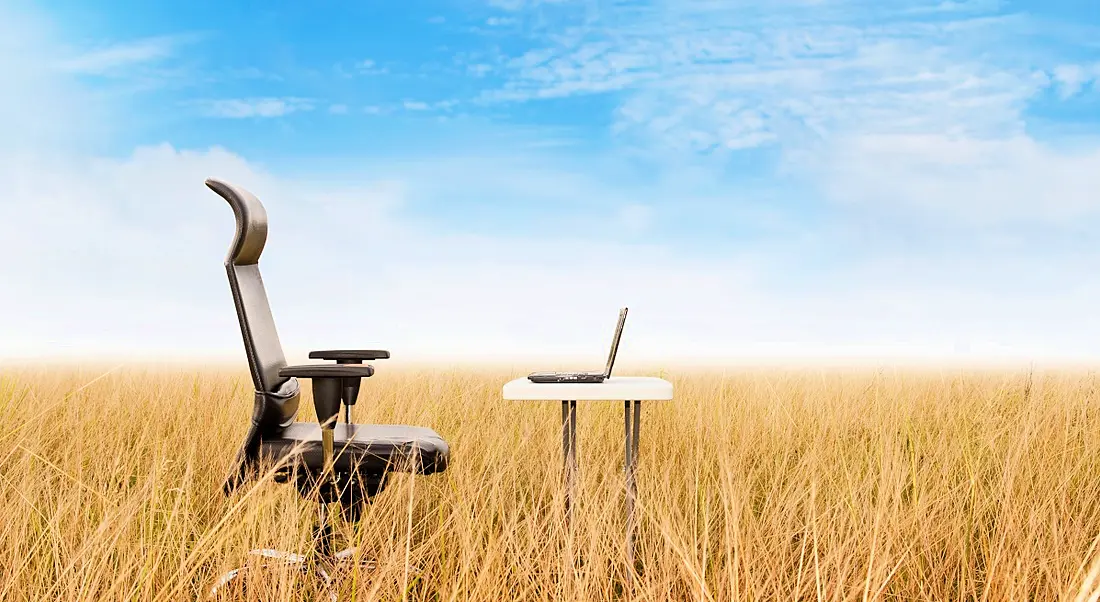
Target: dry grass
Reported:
[(758, 486)]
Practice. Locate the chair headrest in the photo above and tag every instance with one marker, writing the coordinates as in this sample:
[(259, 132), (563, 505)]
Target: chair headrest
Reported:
[(251, 216)]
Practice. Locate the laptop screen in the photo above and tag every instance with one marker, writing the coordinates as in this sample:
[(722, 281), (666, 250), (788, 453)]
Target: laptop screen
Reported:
[(615, 343)]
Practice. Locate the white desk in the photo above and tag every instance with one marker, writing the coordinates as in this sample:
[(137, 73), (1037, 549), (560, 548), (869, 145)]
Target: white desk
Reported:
[(633, 390)]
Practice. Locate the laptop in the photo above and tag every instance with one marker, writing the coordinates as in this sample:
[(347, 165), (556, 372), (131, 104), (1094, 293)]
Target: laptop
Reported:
[(585, 377)]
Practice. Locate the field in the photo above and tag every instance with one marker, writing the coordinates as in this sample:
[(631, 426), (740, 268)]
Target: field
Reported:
[(756, 485)]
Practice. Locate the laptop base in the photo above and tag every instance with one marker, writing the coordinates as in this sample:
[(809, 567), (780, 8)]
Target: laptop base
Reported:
[(566, 377)]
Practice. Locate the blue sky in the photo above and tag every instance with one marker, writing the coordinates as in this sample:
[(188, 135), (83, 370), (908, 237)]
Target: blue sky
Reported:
[(801, 178)]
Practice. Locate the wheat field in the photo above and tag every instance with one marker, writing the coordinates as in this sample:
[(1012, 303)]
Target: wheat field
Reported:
[(753, 485)]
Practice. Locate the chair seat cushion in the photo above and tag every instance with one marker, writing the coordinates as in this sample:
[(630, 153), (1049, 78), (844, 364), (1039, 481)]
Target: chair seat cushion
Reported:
[(372, 449)]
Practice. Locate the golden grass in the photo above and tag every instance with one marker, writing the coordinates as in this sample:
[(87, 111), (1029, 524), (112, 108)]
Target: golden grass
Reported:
[(763, 485)]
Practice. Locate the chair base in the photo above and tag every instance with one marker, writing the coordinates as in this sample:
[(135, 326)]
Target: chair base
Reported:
[(327, 569), (325, 563)]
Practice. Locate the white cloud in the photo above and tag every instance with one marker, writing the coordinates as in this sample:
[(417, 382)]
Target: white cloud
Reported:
[(415, 105), (1014, 179), (241, 108), (479, 69), (124, 255), (1072, 79), (338, 109)]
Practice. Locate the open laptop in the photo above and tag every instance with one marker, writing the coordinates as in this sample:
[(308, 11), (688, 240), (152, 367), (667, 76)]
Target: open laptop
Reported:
[(585, 377)]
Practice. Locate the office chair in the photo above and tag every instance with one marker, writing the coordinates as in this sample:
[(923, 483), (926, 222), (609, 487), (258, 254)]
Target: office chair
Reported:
[(326, 463)]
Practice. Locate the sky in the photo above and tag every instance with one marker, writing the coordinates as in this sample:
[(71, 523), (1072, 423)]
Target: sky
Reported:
[(470, 179)]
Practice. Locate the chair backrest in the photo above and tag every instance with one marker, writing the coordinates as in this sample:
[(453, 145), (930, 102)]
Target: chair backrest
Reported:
[(276, 399), (242, 264)]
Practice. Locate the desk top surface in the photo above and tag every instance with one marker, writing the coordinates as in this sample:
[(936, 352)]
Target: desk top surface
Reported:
[(616, 388)]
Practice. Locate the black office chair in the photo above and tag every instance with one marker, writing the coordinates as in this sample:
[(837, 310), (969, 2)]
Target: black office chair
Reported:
[(328, 464)]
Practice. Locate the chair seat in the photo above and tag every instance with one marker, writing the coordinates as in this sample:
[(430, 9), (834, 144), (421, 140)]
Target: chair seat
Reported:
[(372, 449)]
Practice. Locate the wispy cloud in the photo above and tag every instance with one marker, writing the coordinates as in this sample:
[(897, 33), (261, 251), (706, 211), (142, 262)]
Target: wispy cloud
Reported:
[(240, 108), (817, 80), (360, 68), (248, 73), (688, 71), (113, 58), (369, 67), (419, 105), (513, 5)]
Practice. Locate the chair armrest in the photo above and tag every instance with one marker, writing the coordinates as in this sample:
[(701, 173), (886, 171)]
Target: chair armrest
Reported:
[(329, 382), (327, 371), (350, 354)]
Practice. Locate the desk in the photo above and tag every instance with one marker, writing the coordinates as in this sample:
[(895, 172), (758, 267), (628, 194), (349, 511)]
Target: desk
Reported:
[(634, 390)]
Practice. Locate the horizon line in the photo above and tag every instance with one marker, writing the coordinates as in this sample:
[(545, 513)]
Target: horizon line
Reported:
[(533, 362)]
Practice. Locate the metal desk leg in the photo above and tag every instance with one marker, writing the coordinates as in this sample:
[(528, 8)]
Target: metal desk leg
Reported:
[(569, 452), (632, 425)]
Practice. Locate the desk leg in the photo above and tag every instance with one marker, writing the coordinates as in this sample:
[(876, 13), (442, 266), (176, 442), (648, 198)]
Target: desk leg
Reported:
[(632, 425), (569, 453)]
